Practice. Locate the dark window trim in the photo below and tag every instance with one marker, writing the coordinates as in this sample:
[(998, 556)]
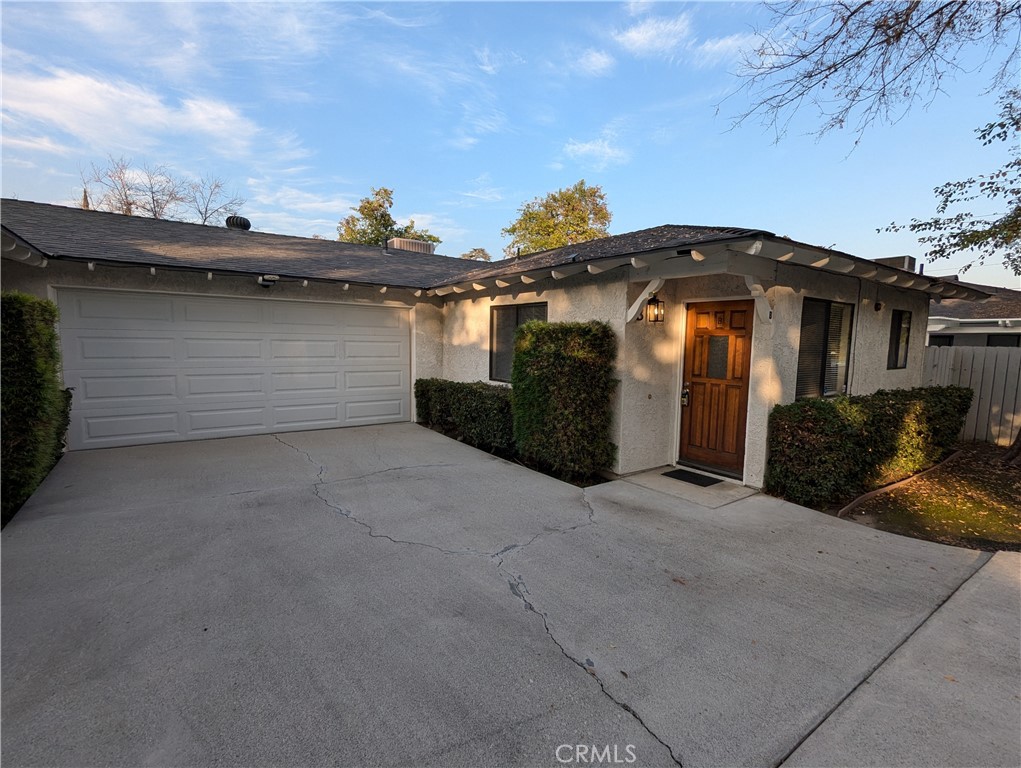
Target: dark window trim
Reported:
[(896, 357), (492, 329)]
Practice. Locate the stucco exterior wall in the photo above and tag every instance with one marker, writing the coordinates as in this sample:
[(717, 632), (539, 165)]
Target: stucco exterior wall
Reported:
[(870, 335), (579, 298)]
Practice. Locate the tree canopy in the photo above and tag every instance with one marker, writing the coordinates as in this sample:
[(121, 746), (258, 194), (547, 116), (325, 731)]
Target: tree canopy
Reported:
[(572, 215), (372, 224), (855, 63), (477, 254)]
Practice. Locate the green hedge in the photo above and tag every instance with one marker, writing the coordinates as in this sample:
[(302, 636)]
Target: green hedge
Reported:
[(475, 412), (823, 452), (563, 386), (35, 408)]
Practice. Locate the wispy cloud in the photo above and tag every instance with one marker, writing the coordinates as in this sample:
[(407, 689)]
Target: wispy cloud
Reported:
[(442, 226), (102, 115), (598, 153), (722, 50), (482, 189), (656, 37), (593, 63), (639, 7)]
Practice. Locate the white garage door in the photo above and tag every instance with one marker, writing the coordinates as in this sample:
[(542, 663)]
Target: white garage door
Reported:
[(152, 367)]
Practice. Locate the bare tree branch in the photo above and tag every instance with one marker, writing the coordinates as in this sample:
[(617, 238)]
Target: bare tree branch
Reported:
[(208, 201), (155, 192), (856, 63)]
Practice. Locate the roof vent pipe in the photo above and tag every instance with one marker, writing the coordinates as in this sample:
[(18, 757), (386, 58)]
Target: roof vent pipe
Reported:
[(238, 222)]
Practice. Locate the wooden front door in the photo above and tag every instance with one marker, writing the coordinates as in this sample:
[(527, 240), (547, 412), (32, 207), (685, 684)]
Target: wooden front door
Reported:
[(714, 399)]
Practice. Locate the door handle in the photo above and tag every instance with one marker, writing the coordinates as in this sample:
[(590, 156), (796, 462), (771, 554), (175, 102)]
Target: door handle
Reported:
[(685, 394)]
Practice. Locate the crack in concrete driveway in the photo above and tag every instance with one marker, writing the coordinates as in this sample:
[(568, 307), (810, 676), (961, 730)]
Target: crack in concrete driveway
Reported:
[(198, 602)]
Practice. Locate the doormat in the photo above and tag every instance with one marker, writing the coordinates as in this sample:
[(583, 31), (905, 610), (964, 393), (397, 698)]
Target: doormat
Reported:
[(694, 478)]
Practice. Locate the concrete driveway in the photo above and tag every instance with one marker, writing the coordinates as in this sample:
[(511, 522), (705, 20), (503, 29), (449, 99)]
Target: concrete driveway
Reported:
[(386, 596)]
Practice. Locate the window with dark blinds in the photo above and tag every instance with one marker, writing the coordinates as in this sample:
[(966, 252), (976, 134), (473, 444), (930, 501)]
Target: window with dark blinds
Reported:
[(900, 331), (825, 348), (503, 321)]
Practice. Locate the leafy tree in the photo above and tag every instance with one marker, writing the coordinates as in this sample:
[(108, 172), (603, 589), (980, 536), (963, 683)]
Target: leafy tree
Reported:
[(372, 224), (565, 217), (155, 192), (477, 254), (854, 63), (988, 236)]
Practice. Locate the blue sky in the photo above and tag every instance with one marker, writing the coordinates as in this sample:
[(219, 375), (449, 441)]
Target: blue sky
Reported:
[(465, 110)]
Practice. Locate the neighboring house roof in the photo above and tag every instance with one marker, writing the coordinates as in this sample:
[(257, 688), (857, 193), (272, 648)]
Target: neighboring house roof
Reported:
[(1002, 304), (73, 233)]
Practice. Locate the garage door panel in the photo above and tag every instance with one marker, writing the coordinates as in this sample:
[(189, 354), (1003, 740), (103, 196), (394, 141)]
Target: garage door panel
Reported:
[(107, 349), (221, 420), (116, 426), (363, 349), (223, 349), (161, 367), (232, 384), (92, 310), (374, 410), (305, 382), (375, 381), (222, 313), (306, 415), (302, 315), (111, 389), (367, 317), (297, 350)]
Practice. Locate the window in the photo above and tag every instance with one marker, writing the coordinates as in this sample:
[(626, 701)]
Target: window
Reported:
[(503, 321), (1003, 340), (825, 348), (900, 330), (941, 340)]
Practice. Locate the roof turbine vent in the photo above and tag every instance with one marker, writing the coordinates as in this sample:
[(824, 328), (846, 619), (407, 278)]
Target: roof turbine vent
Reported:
[(238, 222)]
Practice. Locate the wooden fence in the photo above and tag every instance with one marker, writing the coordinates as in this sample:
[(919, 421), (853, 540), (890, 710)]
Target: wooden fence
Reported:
[(994, 373)]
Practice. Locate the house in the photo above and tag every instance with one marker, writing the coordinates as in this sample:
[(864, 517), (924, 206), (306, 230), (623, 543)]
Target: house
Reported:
[(173, 331), (995, 322)]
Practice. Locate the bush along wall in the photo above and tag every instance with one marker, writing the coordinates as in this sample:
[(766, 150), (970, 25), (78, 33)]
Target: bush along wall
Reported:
[(563, 386), (825, 452), (475, 412), (34, 408)]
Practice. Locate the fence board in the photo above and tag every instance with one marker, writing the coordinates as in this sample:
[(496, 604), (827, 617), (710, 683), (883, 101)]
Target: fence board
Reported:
[(994, 374)]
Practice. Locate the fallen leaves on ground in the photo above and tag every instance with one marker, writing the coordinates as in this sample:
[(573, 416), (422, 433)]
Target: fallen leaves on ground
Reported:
[(973, 501)]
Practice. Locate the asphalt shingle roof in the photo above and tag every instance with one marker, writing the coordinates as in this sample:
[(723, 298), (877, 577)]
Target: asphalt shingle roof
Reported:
[(61, 232), (1003, 303), (631, 243)]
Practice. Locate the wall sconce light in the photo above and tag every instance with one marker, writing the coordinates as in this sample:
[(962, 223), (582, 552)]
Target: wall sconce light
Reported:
[(655, 310)]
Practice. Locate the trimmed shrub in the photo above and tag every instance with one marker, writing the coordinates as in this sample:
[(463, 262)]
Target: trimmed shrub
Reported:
[(563, 384), (475, 412), (34, 408), (822, 452)]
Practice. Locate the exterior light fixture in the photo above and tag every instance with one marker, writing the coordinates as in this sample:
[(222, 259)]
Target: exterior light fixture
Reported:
[(655, 310)]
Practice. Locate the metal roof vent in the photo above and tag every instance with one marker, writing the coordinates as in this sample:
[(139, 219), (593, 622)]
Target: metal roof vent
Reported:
[(407, 244), (238, 222)]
